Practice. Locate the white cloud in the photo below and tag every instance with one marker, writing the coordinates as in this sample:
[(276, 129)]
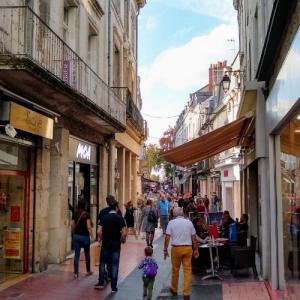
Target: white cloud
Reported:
[(186, 66), (176, 72), (214, 8)]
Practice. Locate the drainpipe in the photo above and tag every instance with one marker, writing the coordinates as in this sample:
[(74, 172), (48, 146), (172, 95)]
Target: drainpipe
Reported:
[(33, 210), (109, 83), (136, 51), (109, 44)]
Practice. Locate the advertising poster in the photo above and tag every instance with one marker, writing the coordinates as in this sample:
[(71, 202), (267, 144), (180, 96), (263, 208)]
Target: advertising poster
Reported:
[(12, 243)]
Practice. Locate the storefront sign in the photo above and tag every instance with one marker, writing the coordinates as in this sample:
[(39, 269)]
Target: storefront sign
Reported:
[(15, 214), (83, 151), (12, 243), (30, 121)]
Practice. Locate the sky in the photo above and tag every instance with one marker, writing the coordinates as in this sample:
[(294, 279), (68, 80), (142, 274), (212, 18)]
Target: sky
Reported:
[(178, 40)]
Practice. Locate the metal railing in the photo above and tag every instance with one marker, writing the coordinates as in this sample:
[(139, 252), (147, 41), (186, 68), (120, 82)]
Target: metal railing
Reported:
[(132, 112), (24, 35)]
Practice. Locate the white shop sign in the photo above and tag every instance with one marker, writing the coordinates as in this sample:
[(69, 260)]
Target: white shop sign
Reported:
[(82, 151)]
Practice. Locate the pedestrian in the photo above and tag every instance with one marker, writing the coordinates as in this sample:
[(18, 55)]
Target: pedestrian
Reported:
[(111, 232), (215, 202), (82, 236), (150, 267), (206, 203), (150, 218), (129, 215), (103, 212), (184, 246), (163, 209)]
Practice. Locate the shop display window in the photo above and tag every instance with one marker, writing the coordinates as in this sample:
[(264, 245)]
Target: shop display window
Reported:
[(290, 183), (12, 192)]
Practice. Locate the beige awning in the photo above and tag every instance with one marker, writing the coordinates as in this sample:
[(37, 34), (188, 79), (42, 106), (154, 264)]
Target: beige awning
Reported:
[(208, 145)]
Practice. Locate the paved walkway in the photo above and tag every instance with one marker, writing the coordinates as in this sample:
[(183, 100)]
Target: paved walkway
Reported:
[(58, 282)]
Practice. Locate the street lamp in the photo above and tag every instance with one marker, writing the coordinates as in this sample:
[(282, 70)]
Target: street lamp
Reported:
[(225, 83)]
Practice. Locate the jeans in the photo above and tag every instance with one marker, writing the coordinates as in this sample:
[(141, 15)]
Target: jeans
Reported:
[(164, 220), (112, 258), (81, 241), (148, 287)]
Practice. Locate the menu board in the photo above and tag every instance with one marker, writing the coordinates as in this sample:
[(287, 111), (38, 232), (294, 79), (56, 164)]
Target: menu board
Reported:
[(12, 243)]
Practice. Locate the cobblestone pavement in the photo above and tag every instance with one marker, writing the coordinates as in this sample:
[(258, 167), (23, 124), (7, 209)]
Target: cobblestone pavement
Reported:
[(58, 282)]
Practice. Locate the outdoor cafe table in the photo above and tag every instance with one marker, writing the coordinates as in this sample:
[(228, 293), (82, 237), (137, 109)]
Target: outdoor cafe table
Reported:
[(210, 246)]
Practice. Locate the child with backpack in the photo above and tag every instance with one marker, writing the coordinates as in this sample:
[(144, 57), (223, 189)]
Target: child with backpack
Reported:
[(149, 267)]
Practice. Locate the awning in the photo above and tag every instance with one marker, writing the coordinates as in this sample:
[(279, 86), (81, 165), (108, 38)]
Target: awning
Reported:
[(208, 145)]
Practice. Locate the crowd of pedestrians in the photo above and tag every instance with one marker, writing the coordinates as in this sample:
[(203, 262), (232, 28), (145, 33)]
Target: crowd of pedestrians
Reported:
[(182, 219)]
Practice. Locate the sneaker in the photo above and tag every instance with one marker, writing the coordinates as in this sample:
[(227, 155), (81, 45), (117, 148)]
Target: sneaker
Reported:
[(186, 297), (98, 286), (114, 291)]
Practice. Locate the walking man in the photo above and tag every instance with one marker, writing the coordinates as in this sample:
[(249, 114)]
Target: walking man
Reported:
[(163, 208), (111, 233), (103, 212), (183, 235)]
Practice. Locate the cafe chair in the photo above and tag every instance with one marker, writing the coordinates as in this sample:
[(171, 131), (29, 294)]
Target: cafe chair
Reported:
[(244, 257)]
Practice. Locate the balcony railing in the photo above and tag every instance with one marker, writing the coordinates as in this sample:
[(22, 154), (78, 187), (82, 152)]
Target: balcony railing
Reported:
[(25, 36), (132, 112)]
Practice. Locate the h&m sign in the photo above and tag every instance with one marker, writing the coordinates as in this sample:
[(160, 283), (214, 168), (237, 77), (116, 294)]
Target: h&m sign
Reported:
[(82, 151)]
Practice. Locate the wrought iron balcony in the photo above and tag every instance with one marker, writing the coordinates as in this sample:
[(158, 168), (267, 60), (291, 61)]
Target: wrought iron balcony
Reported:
[(27, 42), (132, 112)]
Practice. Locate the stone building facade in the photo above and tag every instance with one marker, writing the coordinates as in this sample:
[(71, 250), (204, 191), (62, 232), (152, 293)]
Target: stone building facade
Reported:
[(68, 88)]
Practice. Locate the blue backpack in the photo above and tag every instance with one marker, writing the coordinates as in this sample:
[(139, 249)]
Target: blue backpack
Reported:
[(150, 268)]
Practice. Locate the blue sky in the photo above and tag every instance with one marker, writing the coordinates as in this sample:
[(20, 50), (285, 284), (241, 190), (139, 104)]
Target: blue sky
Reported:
[(168, 27), (178, 40)]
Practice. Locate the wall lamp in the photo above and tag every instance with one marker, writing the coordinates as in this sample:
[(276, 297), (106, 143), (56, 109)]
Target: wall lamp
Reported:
[(226, 79)]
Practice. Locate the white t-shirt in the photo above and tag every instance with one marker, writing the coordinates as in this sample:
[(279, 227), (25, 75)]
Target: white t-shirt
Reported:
[(181, 231)]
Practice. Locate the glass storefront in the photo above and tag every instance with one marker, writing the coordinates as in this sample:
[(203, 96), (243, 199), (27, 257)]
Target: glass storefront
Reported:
[(290, 182), (83, 177), (13, 212)]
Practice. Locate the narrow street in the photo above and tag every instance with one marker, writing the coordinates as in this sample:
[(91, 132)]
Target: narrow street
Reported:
[(58, 282)]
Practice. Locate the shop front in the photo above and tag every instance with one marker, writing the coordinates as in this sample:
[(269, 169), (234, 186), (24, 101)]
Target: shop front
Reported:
[(283, 125), (21, 131), (83, 177), (14, 205)]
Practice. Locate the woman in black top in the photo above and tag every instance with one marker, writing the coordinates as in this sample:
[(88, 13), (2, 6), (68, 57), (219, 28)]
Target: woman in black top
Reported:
[(129, 215), (82, 236)]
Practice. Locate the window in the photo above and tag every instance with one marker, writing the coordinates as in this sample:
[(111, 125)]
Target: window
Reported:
[(126, 16), (66, 24), (290, 188), (92, 47), (116, 67), (133, 29)]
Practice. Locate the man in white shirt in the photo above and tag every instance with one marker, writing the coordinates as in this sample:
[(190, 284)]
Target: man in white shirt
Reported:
[(183, 235)]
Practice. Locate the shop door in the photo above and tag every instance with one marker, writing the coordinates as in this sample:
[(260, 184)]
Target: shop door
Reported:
[(13, 220)]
